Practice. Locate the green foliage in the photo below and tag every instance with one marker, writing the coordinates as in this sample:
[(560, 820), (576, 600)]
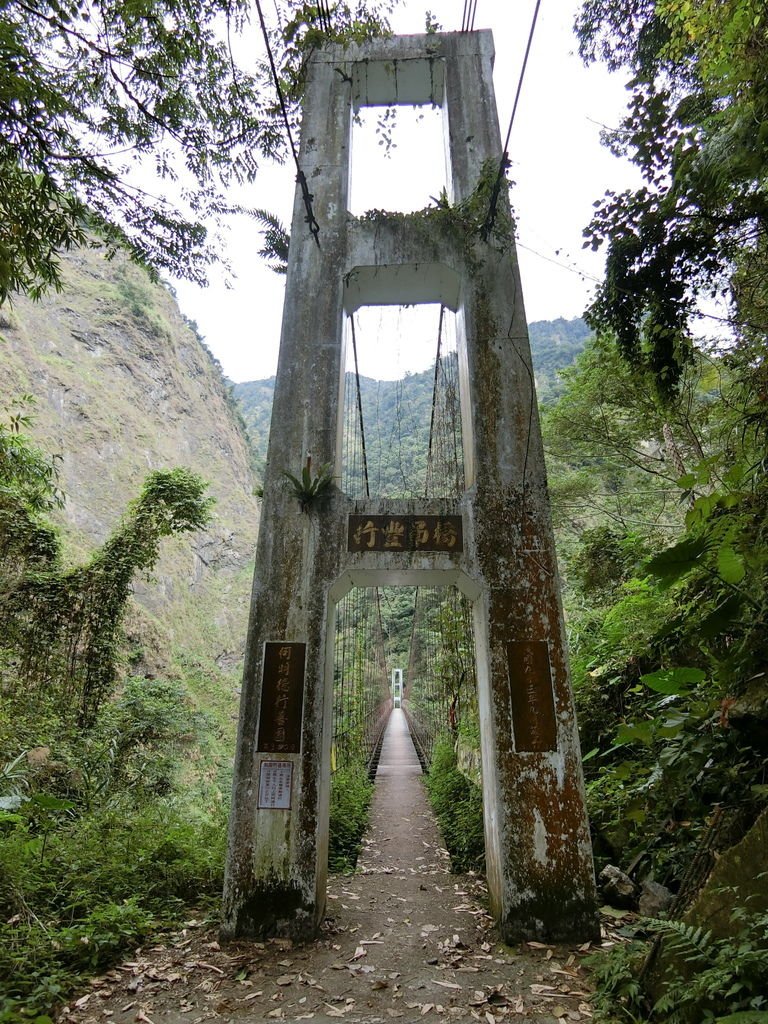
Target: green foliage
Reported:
[(458, 805), (555, 344), (135, 291), (705, 978), (28, 490), (696, 130), (442, 686), (605, 561), (665, 757), (615, 452), (308, 488), (276, 241), (721, 976), (397, 604), (73, 898), (156, 81), (27, 474), (114, 835), (61, 627), (464, 221), (96, 847), (618, 995), (351, 792), (660, 511), (101, 849)]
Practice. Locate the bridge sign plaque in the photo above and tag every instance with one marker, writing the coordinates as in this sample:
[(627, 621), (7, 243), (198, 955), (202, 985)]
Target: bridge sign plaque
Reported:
[(405, 533), (533, 705)]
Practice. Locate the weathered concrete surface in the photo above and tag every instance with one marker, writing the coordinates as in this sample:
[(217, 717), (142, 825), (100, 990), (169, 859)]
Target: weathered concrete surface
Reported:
[(537, 841)]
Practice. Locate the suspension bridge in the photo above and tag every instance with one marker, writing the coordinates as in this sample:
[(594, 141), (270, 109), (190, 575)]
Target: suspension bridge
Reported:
[(463, 524)]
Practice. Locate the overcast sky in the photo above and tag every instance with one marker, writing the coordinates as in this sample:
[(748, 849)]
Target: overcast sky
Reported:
[(558, 165)]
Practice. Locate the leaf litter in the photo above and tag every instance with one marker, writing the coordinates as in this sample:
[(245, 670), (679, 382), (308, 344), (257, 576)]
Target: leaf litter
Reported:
[(438, 958)]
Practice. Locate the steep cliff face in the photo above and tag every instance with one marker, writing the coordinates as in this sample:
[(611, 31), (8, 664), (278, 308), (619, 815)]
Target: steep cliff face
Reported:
[(123, 385)]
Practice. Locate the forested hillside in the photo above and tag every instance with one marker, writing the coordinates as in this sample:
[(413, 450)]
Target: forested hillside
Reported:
[(401, 409)]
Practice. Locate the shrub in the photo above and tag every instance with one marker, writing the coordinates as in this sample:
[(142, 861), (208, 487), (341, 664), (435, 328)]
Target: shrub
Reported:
[(458, 805), (351, 792), (74, 897)]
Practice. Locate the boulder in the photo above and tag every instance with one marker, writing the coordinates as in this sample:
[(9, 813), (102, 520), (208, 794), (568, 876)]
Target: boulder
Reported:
[(737, 885), (655, 899), (616, 888), (739, 880)]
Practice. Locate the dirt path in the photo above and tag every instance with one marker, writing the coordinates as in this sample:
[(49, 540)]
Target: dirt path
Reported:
[(403, 939)]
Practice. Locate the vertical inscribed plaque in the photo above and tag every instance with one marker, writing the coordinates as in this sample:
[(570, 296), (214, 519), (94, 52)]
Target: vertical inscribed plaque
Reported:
[(282, 697), (533, 703)]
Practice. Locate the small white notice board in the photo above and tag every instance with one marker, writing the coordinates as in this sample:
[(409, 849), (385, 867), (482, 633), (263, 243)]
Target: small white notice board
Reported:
[(275, 780)]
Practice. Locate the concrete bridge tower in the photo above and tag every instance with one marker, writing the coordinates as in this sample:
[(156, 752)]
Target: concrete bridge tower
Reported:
[(495, 542)]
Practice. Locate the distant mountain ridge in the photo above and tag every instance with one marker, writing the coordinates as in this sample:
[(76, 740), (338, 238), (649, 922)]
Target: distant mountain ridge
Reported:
[(405, 404)]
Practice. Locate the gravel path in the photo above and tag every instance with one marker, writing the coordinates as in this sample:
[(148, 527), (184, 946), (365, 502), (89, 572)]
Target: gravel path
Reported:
[(404, 939)]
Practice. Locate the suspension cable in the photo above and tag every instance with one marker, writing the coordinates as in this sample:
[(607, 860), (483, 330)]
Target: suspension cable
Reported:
[(306, 195), (360, 408), (471, 16), (490, 217), (434, 400), (325, 15), (468, 15)]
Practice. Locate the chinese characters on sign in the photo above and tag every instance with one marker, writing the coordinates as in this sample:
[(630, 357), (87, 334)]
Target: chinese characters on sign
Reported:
[(405, 533), (533, 704), (275, 779), (282, 697)]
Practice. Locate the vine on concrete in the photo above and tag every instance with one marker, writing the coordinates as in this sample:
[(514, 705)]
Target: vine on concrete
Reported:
[(60, 626), (462, 220)]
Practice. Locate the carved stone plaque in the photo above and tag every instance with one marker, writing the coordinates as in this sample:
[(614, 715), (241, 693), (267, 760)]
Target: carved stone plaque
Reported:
[(282, 697), (405, 533), (533, 703)]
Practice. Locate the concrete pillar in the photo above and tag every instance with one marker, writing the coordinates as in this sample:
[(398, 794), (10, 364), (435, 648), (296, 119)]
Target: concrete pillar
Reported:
[(537, 841), (538, 850), (277, 861)]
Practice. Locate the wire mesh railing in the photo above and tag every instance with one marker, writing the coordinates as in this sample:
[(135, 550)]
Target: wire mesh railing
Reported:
[(423, 457), (441, 691), (361, 693), (440, 694)]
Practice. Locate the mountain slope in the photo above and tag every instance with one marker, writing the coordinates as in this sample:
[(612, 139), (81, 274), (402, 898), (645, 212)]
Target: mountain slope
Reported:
[(123, 385), (400, 410)]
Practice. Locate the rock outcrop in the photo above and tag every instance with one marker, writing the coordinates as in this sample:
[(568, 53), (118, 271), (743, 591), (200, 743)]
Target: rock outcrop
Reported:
[(123, 385)]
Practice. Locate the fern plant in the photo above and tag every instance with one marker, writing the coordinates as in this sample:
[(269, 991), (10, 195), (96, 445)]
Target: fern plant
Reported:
[(276, 241), (306, 487), (707, 979), (618, 993)]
